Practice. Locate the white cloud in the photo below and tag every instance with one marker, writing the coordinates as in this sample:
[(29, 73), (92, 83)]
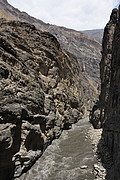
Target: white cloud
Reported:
[(76, 14)]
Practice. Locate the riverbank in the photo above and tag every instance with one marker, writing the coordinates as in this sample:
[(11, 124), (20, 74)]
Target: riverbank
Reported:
[(95, 136), (74, 156), (68, 158)]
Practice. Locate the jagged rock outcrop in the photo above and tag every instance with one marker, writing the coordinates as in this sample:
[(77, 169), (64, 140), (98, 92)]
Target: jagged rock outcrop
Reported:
[(40, 94), (97, 116), (84, 47)]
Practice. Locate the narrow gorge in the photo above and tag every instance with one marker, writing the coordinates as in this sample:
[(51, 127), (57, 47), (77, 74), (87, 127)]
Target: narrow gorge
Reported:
[(50, 82), (47, 83)]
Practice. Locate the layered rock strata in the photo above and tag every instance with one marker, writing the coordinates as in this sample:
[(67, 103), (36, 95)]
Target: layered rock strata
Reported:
[(40, 94)]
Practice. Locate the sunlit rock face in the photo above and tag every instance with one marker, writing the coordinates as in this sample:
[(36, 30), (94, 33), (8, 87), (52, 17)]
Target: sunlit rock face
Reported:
[(40, 94)]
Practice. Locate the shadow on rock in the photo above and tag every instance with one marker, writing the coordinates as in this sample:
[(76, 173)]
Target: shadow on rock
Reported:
[(106, 160)]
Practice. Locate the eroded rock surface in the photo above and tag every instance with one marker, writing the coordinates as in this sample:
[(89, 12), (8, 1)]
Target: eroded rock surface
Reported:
[(85, 47), (40, 94)]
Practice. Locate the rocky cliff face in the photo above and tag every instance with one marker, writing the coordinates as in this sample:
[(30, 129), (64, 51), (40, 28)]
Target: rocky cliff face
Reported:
[(88, 53), (40, 94), (105, 64), (43, 88), (84, 47), (110, 97), (111, 131), (99, 109)]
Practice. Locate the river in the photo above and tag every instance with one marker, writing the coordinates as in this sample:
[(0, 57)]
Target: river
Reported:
[(68, 158)]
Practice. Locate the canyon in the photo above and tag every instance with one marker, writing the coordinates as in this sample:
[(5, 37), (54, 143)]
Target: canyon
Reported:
[(49, 80)]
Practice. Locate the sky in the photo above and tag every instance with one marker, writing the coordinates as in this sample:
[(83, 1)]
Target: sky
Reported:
[(75, 14)]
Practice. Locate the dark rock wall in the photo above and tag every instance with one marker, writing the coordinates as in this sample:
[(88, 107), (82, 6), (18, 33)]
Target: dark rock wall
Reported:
[(99, 110), (111, 130), (40, 94), (109, 101), (105, 64)]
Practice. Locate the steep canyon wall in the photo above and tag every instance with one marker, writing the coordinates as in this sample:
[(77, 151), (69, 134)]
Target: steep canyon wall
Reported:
[(85, 48), (106, 112), (97, 116), (40, 94), (111, 128)]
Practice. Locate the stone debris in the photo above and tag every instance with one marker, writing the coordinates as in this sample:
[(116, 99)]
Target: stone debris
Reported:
[(83, 167), (98, 169)]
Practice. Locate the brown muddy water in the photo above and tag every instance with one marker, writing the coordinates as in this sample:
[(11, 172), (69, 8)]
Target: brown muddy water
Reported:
[(64, 158)]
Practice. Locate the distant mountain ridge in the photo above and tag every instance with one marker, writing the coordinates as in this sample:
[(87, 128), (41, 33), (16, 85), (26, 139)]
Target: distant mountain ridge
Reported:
[(13, 13), (97, 34)]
